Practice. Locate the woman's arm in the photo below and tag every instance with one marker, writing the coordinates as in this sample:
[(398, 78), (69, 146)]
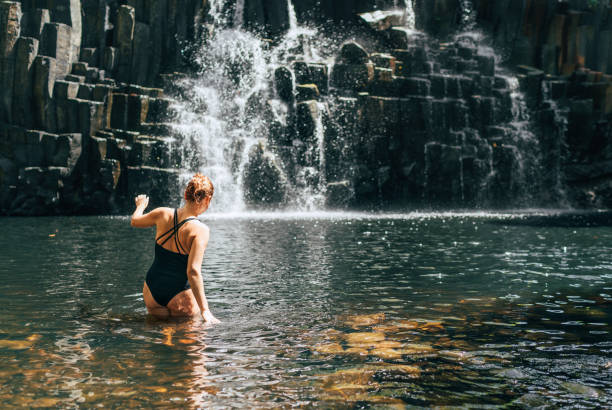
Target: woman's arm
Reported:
[(194, 273), (147, 220)]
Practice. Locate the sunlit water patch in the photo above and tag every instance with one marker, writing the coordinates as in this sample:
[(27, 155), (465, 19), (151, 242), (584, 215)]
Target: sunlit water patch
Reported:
[(333, 310)]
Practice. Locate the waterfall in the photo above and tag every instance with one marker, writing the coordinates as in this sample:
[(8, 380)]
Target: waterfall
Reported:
[(409, 16), (228, 106), (218, 12), (292, 16), (468, 15), (555, 147), (239, 14), (526, 146), (310, 181), (215, 120), (480, 148)]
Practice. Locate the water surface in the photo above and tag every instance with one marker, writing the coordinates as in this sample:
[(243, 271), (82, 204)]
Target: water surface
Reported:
[(335, 310)]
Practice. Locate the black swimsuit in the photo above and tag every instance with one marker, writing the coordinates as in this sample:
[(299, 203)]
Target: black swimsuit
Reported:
[(167, 277)]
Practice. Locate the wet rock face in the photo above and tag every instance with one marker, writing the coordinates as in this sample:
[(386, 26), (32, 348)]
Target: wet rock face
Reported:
[(265, 182), (399, 119), (10, 21), (422, 133), (76, 124), (272, 16), (353, 53), (339, 194), (440, 122), (283, 82)]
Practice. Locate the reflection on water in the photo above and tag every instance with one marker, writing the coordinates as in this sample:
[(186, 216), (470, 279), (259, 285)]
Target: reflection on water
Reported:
[(420, 309)]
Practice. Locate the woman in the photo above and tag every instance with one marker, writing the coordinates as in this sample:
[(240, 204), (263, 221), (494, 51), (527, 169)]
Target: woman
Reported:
[(179, 250)]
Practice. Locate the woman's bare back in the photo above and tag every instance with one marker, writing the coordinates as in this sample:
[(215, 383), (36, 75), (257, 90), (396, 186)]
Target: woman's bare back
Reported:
[(185, 235)]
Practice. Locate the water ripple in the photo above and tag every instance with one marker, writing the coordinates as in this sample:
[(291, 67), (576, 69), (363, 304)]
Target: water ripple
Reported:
[(325, 309)]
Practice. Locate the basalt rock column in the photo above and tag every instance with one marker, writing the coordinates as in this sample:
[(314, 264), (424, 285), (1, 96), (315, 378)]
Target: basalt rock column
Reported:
[(395, 118), (69, 13), (27, 49), (124, 37), (10, 21), (437, 124)]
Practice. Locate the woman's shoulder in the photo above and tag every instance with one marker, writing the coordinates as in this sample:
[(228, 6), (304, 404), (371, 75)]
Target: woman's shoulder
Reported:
[(199, 228), (202, 226), (164, 211)]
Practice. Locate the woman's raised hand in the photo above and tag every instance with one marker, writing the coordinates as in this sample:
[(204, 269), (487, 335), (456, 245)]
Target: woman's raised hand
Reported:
[(141, 201)]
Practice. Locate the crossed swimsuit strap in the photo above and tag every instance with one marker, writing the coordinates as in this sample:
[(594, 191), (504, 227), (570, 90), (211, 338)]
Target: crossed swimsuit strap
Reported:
[(174, 232)]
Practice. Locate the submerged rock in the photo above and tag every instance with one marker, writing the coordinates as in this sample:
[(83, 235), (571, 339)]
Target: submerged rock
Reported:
[(581, 389), (356, 377), (329, 348), (365, 320), (511, 374), (416, 349), (531, 400), (386, 353), (361, 338)]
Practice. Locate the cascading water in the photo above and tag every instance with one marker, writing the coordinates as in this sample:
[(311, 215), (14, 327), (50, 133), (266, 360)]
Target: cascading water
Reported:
[(526, 149), (226, 108), (468, 15), (498, 138), (409, 16), (293, 25), (219, 12), (554, 145), (214, 120), (231, 111), (239, 13)]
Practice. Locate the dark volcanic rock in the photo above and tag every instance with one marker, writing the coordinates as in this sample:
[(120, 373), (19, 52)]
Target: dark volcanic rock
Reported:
[(306, 92), (425, 118), (161, 185), (283, 81), (269, 15), (265, 182), (383, 20), (339, 194), (27, 49), (353, 53), (10, 28), (353, 77)]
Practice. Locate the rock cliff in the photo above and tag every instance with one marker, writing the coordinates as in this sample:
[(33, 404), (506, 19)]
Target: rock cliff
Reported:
[(81, 108), (490, 104)]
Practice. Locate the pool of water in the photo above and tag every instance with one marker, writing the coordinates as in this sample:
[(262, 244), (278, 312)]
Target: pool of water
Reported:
[(333, 310)]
